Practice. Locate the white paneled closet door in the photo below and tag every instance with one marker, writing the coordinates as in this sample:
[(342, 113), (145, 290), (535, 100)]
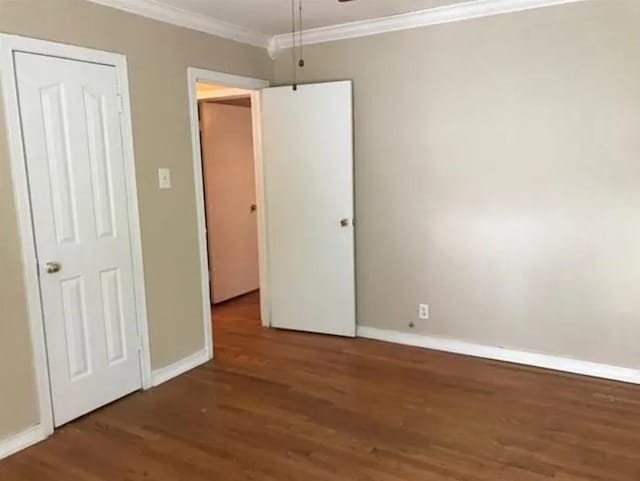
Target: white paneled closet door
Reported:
[(70, 114)]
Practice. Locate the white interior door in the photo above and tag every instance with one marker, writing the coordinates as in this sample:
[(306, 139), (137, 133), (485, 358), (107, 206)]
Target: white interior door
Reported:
[(308, 180), (230, 192), (74, 153)]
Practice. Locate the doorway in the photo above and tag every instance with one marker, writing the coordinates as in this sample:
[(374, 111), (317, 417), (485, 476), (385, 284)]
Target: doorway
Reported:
[(201, 87), (226, 140), (303, 154)]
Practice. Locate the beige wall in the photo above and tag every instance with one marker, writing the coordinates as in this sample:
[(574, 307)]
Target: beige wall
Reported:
[(18, 398), (158, 55), (498, 177)]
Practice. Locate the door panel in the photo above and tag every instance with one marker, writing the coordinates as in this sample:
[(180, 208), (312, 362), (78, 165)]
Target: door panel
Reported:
[(56, 133), (99, 157), (73, 147), (74, 314), (308, 167), (113, 315)]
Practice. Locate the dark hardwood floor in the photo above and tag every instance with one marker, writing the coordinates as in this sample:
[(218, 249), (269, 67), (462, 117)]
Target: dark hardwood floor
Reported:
[(283, 406)]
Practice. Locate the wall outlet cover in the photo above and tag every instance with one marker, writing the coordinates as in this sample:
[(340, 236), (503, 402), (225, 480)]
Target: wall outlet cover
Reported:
[(164, 178)]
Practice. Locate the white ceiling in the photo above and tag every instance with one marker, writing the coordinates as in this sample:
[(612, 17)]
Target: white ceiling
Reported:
[(273, 17)]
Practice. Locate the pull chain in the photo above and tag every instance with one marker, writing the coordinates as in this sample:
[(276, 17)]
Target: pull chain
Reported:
[(293, 46), (301, 61)]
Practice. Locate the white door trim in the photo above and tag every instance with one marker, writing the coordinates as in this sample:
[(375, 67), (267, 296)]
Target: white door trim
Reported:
[(201, 75), (8, 45)]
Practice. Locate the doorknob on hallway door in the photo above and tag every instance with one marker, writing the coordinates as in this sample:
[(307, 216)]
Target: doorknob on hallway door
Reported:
[(52, 267)]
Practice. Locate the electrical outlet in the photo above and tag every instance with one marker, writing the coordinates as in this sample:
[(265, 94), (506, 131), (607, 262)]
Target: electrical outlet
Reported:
[(423, 311)]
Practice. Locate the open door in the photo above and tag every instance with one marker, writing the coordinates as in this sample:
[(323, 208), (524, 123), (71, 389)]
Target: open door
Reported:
[(307, 141)]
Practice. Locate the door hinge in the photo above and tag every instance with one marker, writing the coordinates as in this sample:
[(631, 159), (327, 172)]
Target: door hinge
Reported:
[(120, 104)]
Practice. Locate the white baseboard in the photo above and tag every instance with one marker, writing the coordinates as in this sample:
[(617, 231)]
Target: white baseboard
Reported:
[(166, 373), (22, 440), (574, 366)]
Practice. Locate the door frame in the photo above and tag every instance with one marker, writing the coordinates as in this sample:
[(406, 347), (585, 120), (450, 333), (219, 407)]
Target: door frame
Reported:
[(249, 83), (9, 44)]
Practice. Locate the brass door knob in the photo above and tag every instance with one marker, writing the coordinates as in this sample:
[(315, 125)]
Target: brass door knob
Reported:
[(52, 267)]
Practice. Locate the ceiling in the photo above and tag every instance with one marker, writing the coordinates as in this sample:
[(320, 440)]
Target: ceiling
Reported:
[(273, 17)]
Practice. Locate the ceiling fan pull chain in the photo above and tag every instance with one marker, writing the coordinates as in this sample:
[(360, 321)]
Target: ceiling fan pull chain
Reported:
[(293, 46), (301, 61)]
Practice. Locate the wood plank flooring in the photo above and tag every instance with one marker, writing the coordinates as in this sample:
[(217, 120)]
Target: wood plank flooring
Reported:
[(286, 406)]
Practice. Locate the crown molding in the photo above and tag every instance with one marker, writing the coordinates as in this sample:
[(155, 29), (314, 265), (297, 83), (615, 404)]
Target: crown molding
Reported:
[(421, 18), (183, 18), (275, 44)]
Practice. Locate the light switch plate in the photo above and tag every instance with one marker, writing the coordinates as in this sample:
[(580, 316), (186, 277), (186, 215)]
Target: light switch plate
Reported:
[(164, 178)]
